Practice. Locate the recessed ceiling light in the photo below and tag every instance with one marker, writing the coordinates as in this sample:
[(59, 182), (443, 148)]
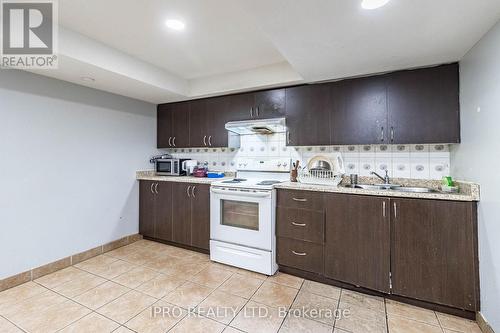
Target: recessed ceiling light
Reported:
[(87, 79), (373, 4), (175, 24)]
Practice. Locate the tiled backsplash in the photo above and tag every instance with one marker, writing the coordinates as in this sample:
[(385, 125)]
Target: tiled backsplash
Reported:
[(402, 161)]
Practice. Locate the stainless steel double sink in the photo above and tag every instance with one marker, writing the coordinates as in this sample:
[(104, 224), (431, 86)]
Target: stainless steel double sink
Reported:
[(393, 187)]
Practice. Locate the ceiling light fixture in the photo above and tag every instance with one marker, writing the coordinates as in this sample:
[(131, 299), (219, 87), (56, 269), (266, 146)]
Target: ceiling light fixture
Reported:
[(87, 79), (373, 4), (175, 24)]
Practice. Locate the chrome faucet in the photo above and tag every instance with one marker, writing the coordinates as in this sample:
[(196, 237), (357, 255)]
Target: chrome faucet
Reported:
[(385, 179)]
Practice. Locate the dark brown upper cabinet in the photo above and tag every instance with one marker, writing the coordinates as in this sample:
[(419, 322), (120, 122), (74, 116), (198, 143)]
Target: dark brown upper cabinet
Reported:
[(423, 105), (270, 104), (173, 125), (198, 123), (434, 252), (308, 110), (207, 120), (359, 112)]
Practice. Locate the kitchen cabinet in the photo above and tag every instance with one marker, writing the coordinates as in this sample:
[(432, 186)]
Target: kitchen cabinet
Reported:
[(308, 110), (207, 120), (155, 214), (359, 115), (173, 125), (270, 104), (434, 252), (357, 247), (200, 218), (198, 123), (423, 105)]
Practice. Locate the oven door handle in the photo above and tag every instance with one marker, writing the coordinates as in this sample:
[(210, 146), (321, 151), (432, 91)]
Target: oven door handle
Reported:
[(242, 193)]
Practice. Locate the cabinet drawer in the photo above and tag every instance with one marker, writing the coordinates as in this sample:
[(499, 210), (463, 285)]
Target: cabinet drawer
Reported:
[(301, 224), (301, 199), (299, 254)]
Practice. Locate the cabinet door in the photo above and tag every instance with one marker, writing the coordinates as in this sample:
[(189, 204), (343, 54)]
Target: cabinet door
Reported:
[(424, 105), (200, 216), (180, 124), (164, 132), (198, 123), (146, 208), (163, 211), (433, 251), (270, 103), (357, 249), (308, 111), (218, 114), (181, 213), (359, 115), (241, 107)]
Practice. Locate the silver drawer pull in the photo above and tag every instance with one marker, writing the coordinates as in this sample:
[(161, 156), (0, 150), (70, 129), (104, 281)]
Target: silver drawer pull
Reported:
[(299, 253), (298, 224), (299, 199)]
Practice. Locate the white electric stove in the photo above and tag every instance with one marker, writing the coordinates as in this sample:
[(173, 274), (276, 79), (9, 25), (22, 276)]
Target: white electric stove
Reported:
[(243, 218)]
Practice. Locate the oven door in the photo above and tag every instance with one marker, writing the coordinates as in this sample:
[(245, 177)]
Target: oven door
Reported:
[(241, 217)]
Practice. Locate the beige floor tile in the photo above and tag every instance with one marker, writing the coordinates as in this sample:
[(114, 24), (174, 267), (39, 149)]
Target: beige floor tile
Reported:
[(321, 289), (404, 325), (107, 268), (19, 294), (101, 295), (184, 269), (230, 329), (338, 330), (197, 324), (286, 280), (93, 322), (123, 329), (315, 307), (358, 319), (7, 327), (160, 317), (136, 277), (160, 286), (79, 285), (33, 305), (52, 318), (126, 306), (240, 285), (162, 263), (362, 300), (255, 275), (457, 324), (188, 295), (293, 324), (411, 312), (275, 295), (124, 251), (258, 318), (211, 277), (221, 306), (225, 267), (57, 278)]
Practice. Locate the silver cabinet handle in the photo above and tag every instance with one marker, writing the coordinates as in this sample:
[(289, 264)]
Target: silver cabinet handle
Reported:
[(392, 133), (151, 188), (382, 134), (173, 141), (251, 112), (383, 208), (257, 110), (192, 191), (187, 191), (299, 253), (288, 137), (205, 140), (156, 188), (299, 199), (210, 140), (395, 210), (170, 141), (299, 224)]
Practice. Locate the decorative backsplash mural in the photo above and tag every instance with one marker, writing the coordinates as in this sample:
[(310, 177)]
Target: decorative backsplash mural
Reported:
[(402, 161)]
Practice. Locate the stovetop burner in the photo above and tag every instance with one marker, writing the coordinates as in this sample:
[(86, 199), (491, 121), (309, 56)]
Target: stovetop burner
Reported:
[(268, 182), (235, 181)]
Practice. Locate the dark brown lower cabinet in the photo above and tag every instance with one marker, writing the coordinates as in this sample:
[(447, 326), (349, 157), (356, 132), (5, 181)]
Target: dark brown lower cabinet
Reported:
[(176, 212), (357, 247), (434, 251)]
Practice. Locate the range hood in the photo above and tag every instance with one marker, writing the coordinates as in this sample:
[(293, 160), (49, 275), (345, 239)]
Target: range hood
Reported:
[(259, 126)]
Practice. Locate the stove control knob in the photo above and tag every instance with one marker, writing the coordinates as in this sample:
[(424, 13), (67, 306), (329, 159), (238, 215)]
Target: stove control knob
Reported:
[(285, 164), (279, 164)]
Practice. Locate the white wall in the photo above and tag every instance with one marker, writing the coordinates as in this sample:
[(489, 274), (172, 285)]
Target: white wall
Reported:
[(68, 156), (478, 158)]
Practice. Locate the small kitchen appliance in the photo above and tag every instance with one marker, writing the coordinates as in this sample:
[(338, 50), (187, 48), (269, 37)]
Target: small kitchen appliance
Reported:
[(188, 166), (170, 166)]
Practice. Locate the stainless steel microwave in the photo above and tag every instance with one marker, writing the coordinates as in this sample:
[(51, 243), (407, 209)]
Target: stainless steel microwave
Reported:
[(170, 166)]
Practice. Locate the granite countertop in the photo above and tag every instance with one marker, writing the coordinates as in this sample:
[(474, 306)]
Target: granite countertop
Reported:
[(468, 191), (150, 175)]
